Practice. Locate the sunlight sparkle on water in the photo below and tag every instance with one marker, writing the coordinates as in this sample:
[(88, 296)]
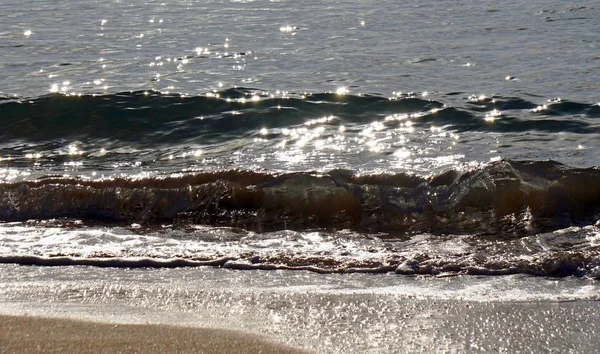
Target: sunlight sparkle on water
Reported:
[(292, 157), (72, 149), (474, 98), (201, 51), (342, 91), (37, 155), (491, 116), (27, 33), (319, 120), (287, 29), (402, 153)]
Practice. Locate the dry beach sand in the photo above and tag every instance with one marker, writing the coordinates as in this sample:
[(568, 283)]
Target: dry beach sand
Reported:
[(27, 334)]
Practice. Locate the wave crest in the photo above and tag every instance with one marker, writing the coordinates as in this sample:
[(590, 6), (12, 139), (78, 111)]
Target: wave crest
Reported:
[(507, 198)]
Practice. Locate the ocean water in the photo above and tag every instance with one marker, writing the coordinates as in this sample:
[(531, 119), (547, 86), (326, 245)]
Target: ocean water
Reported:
[(430, 137)]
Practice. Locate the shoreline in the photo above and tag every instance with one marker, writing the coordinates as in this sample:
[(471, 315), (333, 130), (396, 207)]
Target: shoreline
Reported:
[(324, 313), (34, 334)]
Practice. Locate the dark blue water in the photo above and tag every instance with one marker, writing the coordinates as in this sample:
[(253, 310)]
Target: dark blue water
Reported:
[(423, 137)]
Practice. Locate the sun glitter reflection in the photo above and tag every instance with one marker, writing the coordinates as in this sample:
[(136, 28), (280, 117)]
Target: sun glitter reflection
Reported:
[(402, 153), (342, 91), (287, 29), (491, 116), (37, 155), (73, 149), (202, 51)]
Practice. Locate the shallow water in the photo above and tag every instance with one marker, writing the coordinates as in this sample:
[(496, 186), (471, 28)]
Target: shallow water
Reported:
[(348, 136), (334, 313)]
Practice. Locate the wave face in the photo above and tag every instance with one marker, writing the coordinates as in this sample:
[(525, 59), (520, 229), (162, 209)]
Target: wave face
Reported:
[(504, 198)]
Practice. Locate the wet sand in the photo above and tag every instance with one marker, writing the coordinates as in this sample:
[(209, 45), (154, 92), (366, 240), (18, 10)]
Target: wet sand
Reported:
[(170, 310), (28, 334)]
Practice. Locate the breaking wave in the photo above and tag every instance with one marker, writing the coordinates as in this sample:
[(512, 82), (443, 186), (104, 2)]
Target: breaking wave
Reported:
[(504, 198)]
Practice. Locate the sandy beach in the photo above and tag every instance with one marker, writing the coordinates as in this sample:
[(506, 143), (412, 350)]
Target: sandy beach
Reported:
[(212, 310), (28, 334)]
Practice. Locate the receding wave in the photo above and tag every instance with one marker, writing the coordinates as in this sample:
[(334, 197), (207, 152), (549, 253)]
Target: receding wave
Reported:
[(504, 198), (567, 252)]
